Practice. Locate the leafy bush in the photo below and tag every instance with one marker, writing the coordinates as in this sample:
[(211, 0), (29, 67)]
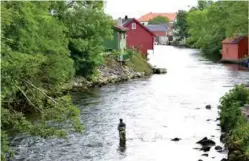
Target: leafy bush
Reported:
[(207, 24), (138, 63), (234, 123), (230, 106), (40, 52)]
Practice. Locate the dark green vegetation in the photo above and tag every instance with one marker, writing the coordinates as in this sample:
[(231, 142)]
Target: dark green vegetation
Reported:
[(132, 59), (211, 22), (43, 45), (139, 64), (181, 25), (158, 20), (234, 124)]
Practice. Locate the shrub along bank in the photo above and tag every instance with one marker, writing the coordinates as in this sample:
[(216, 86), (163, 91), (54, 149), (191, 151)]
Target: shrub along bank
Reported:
[(234, 124), (43, 45), (112, 70)]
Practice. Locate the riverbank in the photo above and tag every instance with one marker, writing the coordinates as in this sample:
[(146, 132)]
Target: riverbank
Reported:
[(113, 71), (243, 62), (234, 124)]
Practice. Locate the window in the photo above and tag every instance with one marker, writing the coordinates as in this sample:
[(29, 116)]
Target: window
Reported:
[(227, 51), (133, 26)]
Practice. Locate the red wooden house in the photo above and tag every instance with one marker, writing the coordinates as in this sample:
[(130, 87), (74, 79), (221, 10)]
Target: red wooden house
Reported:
[(138, 35), (235, 48)]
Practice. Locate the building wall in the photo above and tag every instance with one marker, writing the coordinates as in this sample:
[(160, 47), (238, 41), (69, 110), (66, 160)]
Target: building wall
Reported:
[(243, 47), (230, 52), (144, 23), (139, 37), (163, 40), (122, 41), (112, 43)]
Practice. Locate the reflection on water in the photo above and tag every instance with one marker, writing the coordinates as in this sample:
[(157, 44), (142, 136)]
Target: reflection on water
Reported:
[(155, 110), (235, 67)]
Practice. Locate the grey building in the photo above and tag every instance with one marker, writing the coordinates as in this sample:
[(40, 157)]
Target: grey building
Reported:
[(161, 31)]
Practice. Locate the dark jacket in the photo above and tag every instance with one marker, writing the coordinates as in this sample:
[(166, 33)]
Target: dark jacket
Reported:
[(121, 126)]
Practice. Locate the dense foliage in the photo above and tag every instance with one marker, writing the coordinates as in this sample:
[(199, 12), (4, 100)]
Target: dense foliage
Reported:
[(180, 25), (159, 20), (87, 29), (233, 123), (43, 45), (211, 22)]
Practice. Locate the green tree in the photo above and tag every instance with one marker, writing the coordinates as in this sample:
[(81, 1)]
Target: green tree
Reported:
[(181, 25), (88, 27), (208, 26), (202, 4), (35, 65), (159, 20)]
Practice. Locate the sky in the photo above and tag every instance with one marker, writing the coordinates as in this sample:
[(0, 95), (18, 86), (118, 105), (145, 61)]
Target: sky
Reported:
[(137, 8)]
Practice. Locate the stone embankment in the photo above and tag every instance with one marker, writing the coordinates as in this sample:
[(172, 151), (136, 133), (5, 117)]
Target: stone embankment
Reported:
[(107, 76)]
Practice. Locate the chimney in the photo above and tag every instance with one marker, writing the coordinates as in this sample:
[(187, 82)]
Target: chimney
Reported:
[(119, 21), (126, 17)]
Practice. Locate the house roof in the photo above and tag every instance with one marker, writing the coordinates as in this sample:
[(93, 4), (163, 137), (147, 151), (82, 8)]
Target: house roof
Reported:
[(159, 33), (124, 21), (159, 27), (120, 28), (149, 16), (233, 40), (135, 20)]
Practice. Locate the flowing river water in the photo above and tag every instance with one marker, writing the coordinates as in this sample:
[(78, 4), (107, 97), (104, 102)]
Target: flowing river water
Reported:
[(155, 110)]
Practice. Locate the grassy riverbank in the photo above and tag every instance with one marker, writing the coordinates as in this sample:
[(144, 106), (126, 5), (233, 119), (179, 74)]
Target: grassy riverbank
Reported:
[(234, 124)]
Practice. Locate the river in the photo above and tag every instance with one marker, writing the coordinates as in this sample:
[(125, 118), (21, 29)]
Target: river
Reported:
[(155, 110)]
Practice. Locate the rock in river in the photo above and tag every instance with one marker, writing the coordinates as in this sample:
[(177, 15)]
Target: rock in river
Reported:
[(205, 148), (159, 70), (176, 139), (218, 148), (222, 137), (206, 142), (208, 107), (206, 155)]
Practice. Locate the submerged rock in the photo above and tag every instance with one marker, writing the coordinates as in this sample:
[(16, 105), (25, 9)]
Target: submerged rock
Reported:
[(206, 142), (176, 139), (217, 119), (205, 148), (223, 137), (206, 155), (208, 107), (218, 148)]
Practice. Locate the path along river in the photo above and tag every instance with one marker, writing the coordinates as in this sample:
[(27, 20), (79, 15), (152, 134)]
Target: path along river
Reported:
[(155, 110)]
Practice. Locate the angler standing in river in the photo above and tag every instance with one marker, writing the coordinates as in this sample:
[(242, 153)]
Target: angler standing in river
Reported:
[(121, 129)]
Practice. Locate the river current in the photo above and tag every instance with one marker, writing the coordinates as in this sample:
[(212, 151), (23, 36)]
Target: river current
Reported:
[(155, 109)]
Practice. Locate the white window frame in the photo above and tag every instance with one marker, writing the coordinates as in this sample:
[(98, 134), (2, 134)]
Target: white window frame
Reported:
[(133, 26)]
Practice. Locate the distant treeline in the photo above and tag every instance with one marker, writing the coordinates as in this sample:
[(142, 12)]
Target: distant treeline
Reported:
[(207, 24)]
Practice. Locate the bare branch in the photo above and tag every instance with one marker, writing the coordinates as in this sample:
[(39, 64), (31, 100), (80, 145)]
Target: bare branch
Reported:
[(28, 98), (41, 91)]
